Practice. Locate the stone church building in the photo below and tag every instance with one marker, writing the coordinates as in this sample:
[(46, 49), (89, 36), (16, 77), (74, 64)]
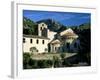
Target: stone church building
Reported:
[(49, 41)]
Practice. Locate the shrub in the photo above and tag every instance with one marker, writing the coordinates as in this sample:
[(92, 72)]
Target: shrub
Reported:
[(63, 55), (34, 64), (45, 63), (49, 63), (56, 62), (65, 63), (40, 63), (29, 63), (26, 58)]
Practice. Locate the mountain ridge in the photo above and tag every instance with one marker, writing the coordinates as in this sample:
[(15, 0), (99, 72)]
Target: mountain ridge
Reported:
[(30, 26)]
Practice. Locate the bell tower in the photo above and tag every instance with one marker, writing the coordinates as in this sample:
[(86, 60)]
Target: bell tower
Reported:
[(42, 30)]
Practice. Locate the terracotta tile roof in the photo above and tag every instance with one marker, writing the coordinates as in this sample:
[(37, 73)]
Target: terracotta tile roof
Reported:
[(68, 33), (35, 36), (56, 41)]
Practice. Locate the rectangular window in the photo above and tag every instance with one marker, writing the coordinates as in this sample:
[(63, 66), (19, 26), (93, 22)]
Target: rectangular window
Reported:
[(23, 40), (42, 41), (37, 41), (31, 41)]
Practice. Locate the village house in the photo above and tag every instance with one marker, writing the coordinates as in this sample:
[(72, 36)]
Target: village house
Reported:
[(45, 41)]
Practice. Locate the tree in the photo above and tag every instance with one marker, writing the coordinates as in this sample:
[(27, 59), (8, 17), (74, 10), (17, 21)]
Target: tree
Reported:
[(85, 46), (29, 27)]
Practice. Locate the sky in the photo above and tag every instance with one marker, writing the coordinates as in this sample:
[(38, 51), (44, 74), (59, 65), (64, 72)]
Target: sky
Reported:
[(65, 18)]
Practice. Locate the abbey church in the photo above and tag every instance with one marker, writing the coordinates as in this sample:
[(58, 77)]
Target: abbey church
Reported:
[(50, 41)]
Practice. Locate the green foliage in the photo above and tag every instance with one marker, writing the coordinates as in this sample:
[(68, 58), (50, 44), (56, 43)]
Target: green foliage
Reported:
[(63, 55), (44, 63), (85, 43), (29, 27), (41, 63), (66, 63), (33, 63), (29, 63), (84, 26), (26, 58), (56, 62)]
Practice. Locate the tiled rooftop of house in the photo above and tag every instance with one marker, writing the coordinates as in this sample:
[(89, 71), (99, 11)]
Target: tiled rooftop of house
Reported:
[(35, 36)]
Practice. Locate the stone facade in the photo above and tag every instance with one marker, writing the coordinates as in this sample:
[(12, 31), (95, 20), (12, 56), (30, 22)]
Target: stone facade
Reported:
[(45, 41)]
